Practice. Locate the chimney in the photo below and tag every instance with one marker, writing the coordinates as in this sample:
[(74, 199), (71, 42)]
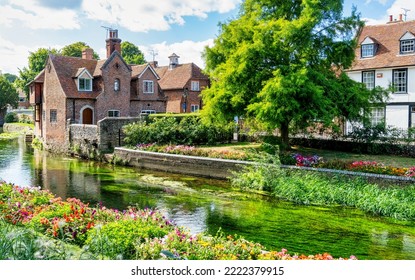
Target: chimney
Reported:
[(154, 64), (113, 42), (174, 61), (390, 18), (400, 17), (88, 53)]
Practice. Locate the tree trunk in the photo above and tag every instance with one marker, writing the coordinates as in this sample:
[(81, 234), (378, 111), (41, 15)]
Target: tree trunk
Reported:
[(284, 136)]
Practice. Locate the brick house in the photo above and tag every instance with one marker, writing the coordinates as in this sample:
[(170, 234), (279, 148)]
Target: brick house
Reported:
[(85, 90), (386, 56)]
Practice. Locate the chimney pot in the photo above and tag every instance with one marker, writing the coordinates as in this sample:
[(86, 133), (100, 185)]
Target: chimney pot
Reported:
[(400, 17), (390, 18), (88, 53), (113, 42)]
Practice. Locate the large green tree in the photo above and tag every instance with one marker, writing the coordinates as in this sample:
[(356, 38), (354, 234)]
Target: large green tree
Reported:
[(131, 53), (36, 63), (281, 61), (76, 49), (8, 95)]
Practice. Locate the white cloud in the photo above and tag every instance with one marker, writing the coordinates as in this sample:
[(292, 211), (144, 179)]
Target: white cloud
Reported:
[(383, 2), (188, 51), (396, 9), (143, 16), (34, 16), (14, 57)]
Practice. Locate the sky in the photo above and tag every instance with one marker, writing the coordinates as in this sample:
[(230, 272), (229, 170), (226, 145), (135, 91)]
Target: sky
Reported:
[(159, 27)]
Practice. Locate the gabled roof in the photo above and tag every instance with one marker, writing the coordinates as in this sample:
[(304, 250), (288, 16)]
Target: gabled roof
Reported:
[(67, 68), (40, 78), (388, 52), (139, 70), (178, 77)]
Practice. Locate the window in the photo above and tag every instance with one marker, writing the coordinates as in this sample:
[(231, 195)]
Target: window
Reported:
[(113, 113), (53, 116), (407, 46), (84, 84), (195, 85), (148, 87), (368, 50), (194, 108), (377, 116), (117, 85), (147, 112), (368, 79), (400, 77)]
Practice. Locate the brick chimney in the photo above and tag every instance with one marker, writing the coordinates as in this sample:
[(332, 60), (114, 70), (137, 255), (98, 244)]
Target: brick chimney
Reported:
[(113, 42), (400, 17), (88, 53)]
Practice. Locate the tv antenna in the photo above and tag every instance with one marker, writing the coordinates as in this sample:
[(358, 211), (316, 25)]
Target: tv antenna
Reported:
[(406, 12), (154, 54)]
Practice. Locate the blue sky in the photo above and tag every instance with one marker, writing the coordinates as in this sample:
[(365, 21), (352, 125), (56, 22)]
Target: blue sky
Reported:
[(184, 27)]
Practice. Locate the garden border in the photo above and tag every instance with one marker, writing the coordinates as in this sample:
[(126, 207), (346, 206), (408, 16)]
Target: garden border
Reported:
[(214, 167)]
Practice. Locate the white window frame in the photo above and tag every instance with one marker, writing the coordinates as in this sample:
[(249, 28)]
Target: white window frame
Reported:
[(407, 46), (194, 85), (400, 80), (377, 116), (85, 87), (194, 108), (368, 50), (114, 113), (148, 86), (368, 79)]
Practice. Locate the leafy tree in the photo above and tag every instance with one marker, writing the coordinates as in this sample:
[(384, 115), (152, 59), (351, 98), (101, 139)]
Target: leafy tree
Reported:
[(131, 53), (36, 63), (10, 77), (8, 95), (76, 49), (281, 62)]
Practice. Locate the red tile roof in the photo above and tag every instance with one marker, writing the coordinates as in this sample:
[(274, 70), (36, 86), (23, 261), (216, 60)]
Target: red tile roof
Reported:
[(178, 77), (388, 52), (67, 68)]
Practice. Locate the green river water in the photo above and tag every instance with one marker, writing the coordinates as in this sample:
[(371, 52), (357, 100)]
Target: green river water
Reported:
[(209, 205)]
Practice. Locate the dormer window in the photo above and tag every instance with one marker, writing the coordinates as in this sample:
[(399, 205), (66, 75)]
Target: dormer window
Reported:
[(368, 48), (407, 43), (84, 80), (84, 84)]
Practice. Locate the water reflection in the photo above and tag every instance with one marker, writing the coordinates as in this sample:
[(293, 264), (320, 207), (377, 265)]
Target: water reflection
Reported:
[(210, 205)]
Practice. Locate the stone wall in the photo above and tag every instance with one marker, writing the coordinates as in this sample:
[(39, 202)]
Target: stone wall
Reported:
[(190, 165), (110, 132), (11, 127), (107, 134)]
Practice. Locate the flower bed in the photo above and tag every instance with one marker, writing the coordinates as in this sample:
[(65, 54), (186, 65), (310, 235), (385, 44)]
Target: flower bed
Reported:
[(103, 233)]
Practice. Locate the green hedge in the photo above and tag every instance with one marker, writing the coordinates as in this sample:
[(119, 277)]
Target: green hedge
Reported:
[(188, 130)]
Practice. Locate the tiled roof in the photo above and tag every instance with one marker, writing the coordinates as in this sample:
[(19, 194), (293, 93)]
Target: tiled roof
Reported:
[(137, 69), (388, 52), (66, 69), (177, 77)]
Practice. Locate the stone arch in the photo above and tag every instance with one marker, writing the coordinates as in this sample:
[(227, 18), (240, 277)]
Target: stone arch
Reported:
[(87, 115)]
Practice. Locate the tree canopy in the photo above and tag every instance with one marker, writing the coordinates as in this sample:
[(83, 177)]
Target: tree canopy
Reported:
[(131, 53), (36, 63), (8, 94), (76, 49), (280, 62)]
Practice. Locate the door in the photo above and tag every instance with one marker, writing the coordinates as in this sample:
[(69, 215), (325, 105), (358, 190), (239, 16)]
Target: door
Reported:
[(87, 116), (412, 110)]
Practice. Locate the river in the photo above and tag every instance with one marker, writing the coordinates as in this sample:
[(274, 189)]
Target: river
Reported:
[(208, 205)]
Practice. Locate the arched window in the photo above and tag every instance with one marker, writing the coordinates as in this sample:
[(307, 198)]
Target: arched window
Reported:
[(117, 85)]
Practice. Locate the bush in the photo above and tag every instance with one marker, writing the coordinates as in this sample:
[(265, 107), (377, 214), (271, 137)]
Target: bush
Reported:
[(171, 130), (11, 117)]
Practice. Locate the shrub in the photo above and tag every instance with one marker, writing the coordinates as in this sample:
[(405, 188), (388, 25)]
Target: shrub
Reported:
[(170, 130), (11, 117)]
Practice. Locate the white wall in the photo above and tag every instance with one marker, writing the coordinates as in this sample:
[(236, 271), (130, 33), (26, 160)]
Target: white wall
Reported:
[(397, 116)]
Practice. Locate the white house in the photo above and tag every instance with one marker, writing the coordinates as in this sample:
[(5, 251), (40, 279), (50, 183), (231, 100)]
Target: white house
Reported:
[(386, 56)]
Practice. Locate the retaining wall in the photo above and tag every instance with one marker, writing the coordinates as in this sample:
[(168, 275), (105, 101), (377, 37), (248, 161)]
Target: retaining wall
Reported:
[(190, 165)]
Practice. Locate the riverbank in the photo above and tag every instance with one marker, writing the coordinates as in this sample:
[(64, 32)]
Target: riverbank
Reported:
[(130, 234)]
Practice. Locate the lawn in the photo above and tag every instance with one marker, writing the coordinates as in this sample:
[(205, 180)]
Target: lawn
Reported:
[(388, 160)]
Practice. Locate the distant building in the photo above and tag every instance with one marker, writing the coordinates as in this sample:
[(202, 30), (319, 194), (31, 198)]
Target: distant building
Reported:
[(86, 90), (386, 56)]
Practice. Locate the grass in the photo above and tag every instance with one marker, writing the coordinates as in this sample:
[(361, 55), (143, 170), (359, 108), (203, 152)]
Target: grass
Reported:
[(9, 136), (388, 160)]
